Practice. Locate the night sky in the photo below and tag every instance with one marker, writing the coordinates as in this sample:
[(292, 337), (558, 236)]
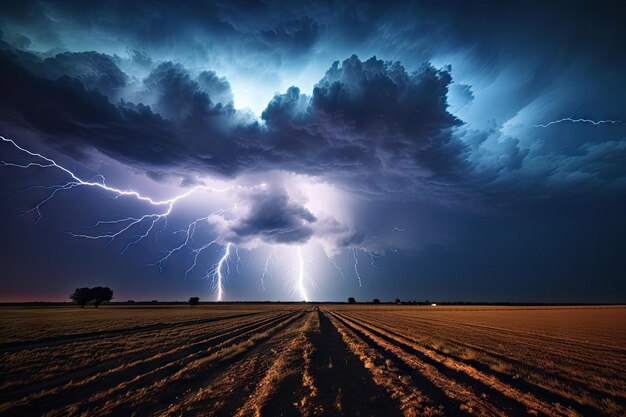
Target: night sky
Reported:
[(432, 150)]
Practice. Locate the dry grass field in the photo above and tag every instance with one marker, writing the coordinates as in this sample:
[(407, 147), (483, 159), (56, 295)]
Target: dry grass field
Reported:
[(296, 359)]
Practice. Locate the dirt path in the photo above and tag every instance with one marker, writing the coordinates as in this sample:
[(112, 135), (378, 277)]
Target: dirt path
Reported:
[(345, 386)]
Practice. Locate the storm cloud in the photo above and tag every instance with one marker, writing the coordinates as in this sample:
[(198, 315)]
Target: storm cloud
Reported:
[(368, 124), (433, 118), (268, 215)]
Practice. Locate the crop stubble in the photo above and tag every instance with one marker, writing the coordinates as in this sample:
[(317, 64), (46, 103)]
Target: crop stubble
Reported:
[(313, 360)]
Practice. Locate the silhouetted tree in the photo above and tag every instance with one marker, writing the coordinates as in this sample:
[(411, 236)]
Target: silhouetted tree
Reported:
[(376, 301), (100, 294), (81, 296), (351, 300), (194, 301), (398, 301)]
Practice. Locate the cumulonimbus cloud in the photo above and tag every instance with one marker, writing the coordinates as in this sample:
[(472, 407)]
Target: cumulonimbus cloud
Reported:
[(370, 127)]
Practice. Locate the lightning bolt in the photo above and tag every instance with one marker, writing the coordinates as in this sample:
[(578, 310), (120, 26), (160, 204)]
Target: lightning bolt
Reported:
[(155, 222), (356, 266), (189, 233), (266, 268), (125, 225), (332, 261), (589, 121), (301, 277), (216, 274), (76, 181)]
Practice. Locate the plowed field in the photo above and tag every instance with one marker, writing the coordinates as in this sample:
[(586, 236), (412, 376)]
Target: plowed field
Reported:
[(313, 360)]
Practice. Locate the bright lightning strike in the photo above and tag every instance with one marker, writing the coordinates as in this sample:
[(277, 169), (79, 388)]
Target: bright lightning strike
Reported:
[(337, 267), (372, 256), (356, 267), (154, 222), (570, 120), (216, 272), (301, 276), (271, 256)]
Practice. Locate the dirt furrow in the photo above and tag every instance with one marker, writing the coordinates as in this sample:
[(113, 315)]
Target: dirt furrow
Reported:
[(488, 386), (412, 402), (126, 357), (553, 382), (281, 390), (478, 395), (247, 382), (134, 375), (463, 332), (544, 338), (163, 389), (527, 353), (63, 339), (549, 394), (344, 386)]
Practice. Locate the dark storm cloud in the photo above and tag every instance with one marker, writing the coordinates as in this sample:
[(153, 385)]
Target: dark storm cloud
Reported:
[(201, 30), (296, 36), (64, 111), (139, 58), (192, 133), (180, 97), (218, 88), (94, 70), (269, 215), (372, 125), (371, 120), (369, 124), (437, 129)]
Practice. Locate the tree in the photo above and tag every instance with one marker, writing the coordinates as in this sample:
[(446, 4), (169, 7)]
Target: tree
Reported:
[(376, 301), (194, 301), (398, 301), (81, 296), (100, 294), (351, 300)]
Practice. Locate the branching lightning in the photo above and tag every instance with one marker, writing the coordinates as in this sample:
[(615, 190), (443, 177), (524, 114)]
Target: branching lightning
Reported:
[(216, 272), (571, 120), (337, 267), (271, 256), (356, 267), (152, 223), (301, 276)]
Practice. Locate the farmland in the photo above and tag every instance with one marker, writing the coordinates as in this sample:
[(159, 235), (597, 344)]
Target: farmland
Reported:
[(310, 360)]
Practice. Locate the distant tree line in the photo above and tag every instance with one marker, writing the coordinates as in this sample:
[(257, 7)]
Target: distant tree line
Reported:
[(352, 300), (95, 296)]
